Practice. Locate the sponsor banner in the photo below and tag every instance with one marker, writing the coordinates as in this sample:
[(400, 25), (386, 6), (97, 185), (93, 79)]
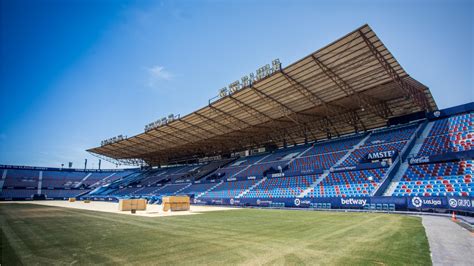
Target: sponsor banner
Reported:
[(103, 198), (212, 201), (304, 172), (353, 202), (182, 181), (465, 108), (380, 155), (205, 181), (401, 203), (242, 178), (272, 202), (448, 203), (302, 202), (23, 167), (450, 156), (361, 166), (426, 202), (277, 175), (461, 204)]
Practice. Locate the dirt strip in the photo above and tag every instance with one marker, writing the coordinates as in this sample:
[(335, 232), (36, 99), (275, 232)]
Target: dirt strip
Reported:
[(152, 210)]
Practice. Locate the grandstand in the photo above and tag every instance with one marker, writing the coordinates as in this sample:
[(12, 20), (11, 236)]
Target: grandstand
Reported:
[(345, 122), (320, 171)]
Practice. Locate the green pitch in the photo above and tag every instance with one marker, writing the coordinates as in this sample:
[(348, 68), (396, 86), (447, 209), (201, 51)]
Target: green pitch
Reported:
[(32, 234)]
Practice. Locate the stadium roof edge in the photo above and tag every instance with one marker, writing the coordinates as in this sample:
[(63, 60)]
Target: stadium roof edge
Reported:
[(354, 83)]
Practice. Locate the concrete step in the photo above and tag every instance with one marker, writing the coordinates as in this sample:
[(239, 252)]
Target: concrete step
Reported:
[(212, 188), (396, 179), (419, 142), (40, 182), (250, 188), (82, 180), (315, 183), (2, 181), (181, 189), (358, 145), (248, 166)]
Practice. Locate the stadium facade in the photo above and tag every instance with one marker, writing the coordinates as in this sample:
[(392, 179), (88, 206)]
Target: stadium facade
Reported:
[(344, 127)]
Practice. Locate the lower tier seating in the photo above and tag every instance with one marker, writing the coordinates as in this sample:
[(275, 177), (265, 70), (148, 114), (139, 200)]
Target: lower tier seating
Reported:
[(63, 193), (126, 191), (438, 179), (17, 193), (349, 184), (147, 191), (197, 188), (283, 187), (171, 189), (230, 189)]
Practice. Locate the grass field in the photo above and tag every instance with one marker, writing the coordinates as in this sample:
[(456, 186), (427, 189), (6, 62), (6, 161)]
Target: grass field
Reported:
[(33, 234)]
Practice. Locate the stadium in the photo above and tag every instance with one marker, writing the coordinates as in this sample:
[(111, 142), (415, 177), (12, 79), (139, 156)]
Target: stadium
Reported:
[(341, 157)]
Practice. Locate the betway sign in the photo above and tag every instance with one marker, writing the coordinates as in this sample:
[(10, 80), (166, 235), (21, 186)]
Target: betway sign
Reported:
[(380, 155), (359, 202)]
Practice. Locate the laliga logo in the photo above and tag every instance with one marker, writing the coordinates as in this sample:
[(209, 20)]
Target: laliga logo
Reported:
[(231, 201), (416, 201), (453, 203), (297, 202)]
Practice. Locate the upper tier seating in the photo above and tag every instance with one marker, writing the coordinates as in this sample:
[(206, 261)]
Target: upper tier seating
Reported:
[(446, 143), (229, 189), (389, 139), (247, 160), (285, 154), (320, 161), (438, 179), (59, 179), (451, 134), (21, 178), (172, 173), (230, 171), (391, 135), (283, 187), (358, 154), (154, 176), (258, 169), (103, 178), (349, 184), (345, 143), (458, 123)]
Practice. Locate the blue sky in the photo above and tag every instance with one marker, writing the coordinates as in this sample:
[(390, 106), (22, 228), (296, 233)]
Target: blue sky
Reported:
[(76, 72)]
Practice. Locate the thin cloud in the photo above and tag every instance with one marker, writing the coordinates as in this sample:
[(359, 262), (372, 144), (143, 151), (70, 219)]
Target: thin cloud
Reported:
[(158, 73)]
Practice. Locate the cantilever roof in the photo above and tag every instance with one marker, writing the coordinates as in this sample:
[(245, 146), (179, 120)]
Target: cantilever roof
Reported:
[(354, 83)]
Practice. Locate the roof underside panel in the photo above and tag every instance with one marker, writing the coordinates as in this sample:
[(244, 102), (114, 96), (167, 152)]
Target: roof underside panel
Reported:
[(352, 84)]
